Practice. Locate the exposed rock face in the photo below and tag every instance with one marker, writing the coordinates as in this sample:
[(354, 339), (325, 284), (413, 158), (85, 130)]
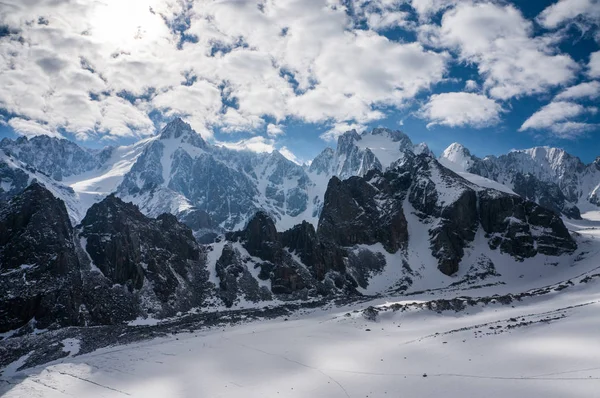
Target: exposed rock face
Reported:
[(157, 259), (549, 176), (13, 181), (180, 170), (356, 154), (55, 157), (260, 239), (319, 256), (522, 228), (298, 264), (39, 269), (236, 280), (352, 214), (547, 194), (372, 209)]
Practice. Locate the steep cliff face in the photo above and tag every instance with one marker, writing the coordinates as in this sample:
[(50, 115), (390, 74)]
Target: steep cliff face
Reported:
[(549, 176), (374, 209), (40, 276), (179, 170), (157, 260), (55, 157)]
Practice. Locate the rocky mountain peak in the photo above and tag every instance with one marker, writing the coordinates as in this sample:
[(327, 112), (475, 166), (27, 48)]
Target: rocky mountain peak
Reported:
[(457, 157), (39, 268), (178, 129), (260, 237), (393, 135), (55, 157), (346, 140)]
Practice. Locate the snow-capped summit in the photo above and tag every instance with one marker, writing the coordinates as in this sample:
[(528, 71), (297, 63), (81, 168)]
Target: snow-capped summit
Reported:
[(178, 129), (56, 157), (379, 148), (546, 175), (457, 158)]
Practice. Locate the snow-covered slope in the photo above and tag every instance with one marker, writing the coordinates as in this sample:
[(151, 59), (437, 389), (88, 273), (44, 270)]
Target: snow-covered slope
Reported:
[(539, 340), (58, 158), (15, 176), (179, 172), (549, 176)]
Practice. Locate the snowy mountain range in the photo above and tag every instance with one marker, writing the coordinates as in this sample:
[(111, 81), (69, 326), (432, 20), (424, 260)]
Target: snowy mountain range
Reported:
[(215, 188), (173, 227), (210, 187), (548, 176)]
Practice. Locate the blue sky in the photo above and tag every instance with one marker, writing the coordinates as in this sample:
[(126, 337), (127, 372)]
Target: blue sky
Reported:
[(293, 75)]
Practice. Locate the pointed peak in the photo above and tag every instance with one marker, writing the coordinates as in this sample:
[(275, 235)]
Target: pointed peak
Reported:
[(175, 129), (421, 149), (456, 147), (394, 135)]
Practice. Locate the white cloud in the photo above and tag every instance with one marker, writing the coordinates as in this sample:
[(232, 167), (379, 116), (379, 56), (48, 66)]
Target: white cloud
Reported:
[(273, 130), (471, 85), (199, 102), (557, 118), (30, 128), (257, 144), (585, 12), (572, 130), (498, 39), (427, 8), (594, 65), (289, 155), (460, 109), (338, 129), (589, 90), (287, 58)]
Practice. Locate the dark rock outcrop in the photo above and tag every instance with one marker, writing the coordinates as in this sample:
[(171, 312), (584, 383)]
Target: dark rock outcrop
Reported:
[(236, 280), (546, 194), (156, 259), (352, 214), (372, 210), (40, 276)]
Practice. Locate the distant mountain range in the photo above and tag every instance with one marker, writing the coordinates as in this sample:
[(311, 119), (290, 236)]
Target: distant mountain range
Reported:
[(216, 188), (172, 223)]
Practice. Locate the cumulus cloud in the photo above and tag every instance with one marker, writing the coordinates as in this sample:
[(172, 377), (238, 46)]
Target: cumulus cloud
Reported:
[(471, 85), (499, 40), (572, 130), (557, 118), (30, 128), (273, 130), (587, 90), (585, 13), (288, 59), (99, 69), (594, 65), (427, 8), (460, 109), (257, 144)]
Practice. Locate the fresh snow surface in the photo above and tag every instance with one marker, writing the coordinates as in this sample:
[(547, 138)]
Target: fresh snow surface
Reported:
[(454, 159), (386, 150), (485, 182), (337, 353), (71, 346), (541, 346), (92, 186)]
